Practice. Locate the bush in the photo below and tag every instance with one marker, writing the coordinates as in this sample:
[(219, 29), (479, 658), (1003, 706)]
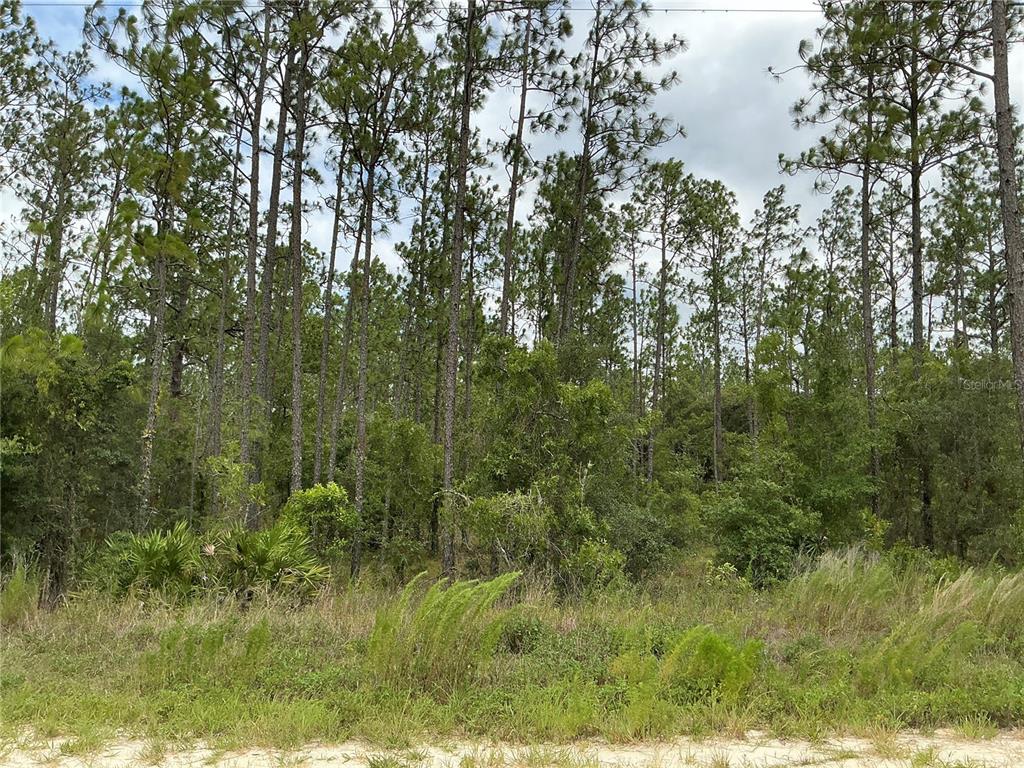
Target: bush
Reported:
[(163, 561), (757, 526), (704, 665), (524, 632), (178, 563), (444, 640), (275, 559), (594, 566), (324, 512)]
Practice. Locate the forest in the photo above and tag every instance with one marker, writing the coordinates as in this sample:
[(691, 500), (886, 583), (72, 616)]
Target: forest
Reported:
[(299, 315)]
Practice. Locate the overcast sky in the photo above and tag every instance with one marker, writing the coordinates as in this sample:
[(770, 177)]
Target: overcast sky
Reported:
[(736, 116)]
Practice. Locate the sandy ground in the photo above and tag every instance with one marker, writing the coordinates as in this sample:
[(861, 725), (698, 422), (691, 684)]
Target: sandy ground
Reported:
[(939, 750)]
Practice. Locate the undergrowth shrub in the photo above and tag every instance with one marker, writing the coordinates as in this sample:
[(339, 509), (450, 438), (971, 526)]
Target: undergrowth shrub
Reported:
[(523, 632), (704, 666), (441, 638), (178, 563), (758, 526), (325, 513), (914, 658), (19, 596), (274, 559), (163, 561), (595, 566)]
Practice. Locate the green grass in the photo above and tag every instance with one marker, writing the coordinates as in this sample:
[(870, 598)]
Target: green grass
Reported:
[(855, 644)]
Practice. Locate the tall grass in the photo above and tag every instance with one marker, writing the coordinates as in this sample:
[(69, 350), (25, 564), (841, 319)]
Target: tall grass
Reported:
[(19, 596), (443, 639), (855, 641), (851, 593)]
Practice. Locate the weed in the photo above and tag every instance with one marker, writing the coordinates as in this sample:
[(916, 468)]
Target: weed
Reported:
[(19, 597), (445, 639)]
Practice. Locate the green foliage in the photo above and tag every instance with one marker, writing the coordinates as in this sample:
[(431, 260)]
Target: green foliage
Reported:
[(19, 596), (233, 487), (276, 559), (927, 651), (162, 561), (595, 566), (706, 666), (206, 658), (440, 640), (324, 512), (757, 526), (179, 563)]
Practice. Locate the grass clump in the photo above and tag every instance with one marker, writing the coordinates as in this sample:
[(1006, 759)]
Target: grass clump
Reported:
[(440, 639), (19, 597)]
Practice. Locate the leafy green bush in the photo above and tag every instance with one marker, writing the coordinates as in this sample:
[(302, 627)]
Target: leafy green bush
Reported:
[(757, 526), (523, 632), (275, 559), (324, 512), (163, 561), (179, 563), (594, 566), (515, 527), (235, 491), (442, 641), (704, 665)]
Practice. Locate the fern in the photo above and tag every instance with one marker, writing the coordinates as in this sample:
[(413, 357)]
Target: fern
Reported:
[(444, 640)]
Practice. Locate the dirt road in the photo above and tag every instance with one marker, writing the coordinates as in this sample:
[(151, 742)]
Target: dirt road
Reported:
[(942, 749)]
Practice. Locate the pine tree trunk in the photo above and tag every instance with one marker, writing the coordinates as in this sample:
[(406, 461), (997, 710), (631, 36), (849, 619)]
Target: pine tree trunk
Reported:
[(452, 351), (364, 347), (270, 256), (1010, 204), (325, 337), (217, 389), (252, 243), (296, 259), (867, 316), (145, 511), (659, 340), (513, 192), (716, 319), (346, 341)]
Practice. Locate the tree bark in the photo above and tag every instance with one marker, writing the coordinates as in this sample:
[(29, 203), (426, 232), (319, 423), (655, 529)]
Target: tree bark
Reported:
[(513, 192), (1010, 205), (145, 511), (252, 243), (346, 341), (217, 390), (270, 254), (296, 258), (867, 315), (325, 336), (452, 351), (364, 346)]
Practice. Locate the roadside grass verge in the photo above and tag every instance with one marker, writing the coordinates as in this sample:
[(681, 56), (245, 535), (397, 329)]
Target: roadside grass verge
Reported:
[(855, 643)]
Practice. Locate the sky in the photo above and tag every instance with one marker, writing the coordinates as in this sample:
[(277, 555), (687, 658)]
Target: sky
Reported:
[(735, 114)]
